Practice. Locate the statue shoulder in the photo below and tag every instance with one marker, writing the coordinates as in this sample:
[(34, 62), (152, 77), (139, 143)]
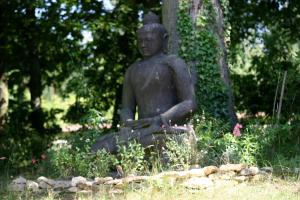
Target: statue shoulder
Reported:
[(132, 67), (175, 62)]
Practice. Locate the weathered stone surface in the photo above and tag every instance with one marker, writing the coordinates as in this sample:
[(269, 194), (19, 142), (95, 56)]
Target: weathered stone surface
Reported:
[(196, 173), (61, 184), (114, 182), (44, 185), (73, 189), (222, 175), (19, 180), (32, 186), (101, 180), (135, 179), (46, 180), (77, 180), (16, 187), (85, 185), (251, 171), (232, 167), (198, 183), (210, 170)]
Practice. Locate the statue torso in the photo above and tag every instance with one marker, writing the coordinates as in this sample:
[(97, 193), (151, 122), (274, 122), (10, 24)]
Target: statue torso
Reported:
[(153, 85)]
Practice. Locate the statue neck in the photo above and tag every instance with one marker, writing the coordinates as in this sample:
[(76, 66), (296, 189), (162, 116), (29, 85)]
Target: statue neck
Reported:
[(154, 56)]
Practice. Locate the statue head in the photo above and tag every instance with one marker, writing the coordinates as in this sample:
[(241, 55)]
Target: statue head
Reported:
[(152, 36)]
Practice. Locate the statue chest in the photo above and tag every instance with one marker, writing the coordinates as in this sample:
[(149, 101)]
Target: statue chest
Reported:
[(151, 78)]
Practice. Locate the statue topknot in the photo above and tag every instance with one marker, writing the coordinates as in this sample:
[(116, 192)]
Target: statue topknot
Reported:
[(151, 18)]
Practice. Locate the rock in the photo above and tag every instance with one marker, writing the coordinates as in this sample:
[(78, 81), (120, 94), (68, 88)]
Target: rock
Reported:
[(85, 185), (251, 171), (135, 179), (210, 170), (46, 180), (44, 185), (198, 183), (73, 189), (77, 180), (16, 187), (232, 167), (267, 169), (32, 186), (114, 182), (101, 180), (20, 180), (222, 175), (196, 173), (61, 184)]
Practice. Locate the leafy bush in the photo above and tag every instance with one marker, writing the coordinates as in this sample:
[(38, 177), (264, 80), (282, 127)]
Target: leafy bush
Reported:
[(132, 158), (259, 144)]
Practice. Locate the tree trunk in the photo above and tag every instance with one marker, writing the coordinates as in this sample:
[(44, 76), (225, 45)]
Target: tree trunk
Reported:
[(170, 10), (219, 32), (169, 19), (35, 74)]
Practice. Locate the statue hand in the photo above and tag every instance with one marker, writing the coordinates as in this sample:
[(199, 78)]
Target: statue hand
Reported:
[(142, 123)]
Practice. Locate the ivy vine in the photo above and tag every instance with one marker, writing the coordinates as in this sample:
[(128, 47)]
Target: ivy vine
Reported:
[(198, 47)]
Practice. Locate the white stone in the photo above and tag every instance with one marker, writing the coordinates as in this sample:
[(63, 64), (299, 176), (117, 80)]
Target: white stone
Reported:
[(85, 186), (73, 189), (44, 185), (114, 182), (46, 180), (232, 167), (251, 171), (32, 186), (101, 180), (135, 179), (20, 180), (198, 183), (16, 187), (77, 180), (61, 184)]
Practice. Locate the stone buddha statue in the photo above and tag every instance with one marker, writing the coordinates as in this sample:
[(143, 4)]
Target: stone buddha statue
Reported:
[(158, 87)]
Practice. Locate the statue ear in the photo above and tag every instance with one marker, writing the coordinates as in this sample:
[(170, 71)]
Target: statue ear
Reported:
[(165, 42)]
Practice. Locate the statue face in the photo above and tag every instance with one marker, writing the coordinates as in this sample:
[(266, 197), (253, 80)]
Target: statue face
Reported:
[(150, 43)]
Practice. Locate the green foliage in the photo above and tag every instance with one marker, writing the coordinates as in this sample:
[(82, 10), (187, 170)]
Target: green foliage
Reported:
[(259, 144), (131, 158), (73, 157), (198, 46), (179, 153)]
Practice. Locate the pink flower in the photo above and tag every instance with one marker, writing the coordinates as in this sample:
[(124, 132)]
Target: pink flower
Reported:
[(236, 131), (43, 156), (33, 161)]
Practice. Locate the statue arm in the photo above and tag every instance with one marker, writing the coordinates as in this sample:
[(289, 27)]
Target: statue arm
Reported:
[(128, 99), (185, 93)]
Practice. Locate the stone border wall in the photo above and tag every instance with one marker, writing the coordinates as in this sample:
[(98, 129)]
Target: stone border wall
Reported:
[(200, 178)]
